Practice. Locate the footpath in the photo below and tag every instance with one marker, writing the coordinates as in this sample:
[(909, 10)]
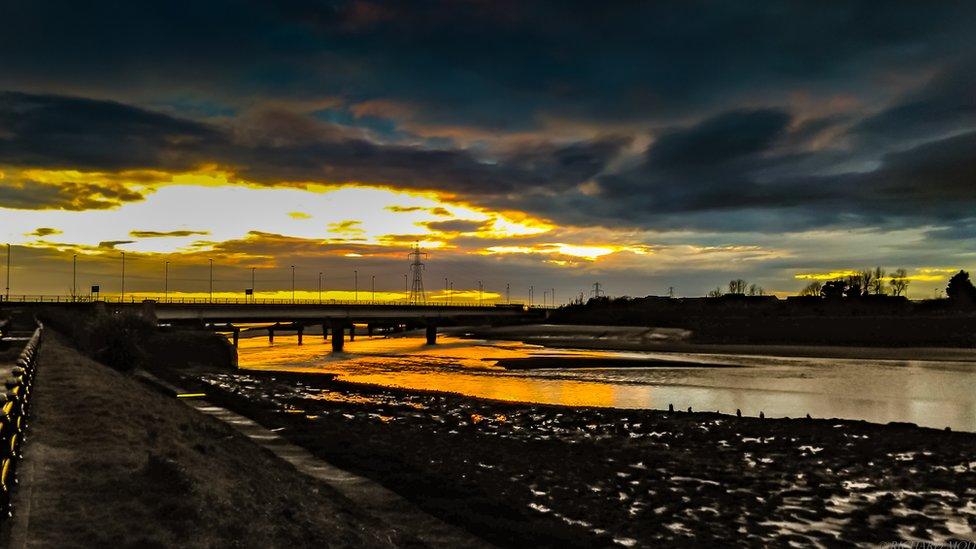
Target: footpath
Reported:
[(110, 462)]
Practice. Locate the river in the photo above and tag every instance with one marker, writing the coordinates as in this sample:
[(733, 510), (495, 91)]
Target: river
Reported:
[(929, 393)]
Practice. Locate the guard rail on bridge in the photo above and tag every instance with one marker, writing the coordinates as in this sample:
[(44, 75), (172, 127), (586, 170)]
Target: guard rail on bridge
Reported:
[(39, 298)]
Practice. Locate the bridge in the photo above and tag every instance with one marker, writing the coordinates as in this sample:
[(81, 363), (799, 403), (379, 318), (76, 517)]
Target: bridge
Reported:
[(334, 316)]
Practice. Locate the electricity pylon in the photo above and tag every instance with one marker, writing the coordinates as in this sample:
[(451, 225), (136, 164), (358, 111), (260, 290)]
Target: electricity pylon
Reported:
[(417, 294)]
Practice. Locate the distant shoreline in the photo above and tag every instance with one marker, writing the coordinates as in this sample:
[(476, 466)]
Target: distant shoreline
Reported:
[(669, 340)]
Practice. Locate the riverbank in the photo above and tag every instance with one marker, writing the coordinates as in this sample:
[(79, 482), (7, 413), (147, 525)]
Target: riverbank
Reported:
[(674, 340), (111, 462), (520, 474)]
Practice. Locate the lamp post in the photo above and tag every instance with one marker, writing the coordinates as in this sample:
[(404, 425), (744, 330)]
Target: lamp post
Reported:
[(446, 295), (355, 277), (293, 284), (406, 293), (211, 280), (7, 292), (122, 293), (252, 285), (531, 290), (320, 287), (372, 288), (450, 293)]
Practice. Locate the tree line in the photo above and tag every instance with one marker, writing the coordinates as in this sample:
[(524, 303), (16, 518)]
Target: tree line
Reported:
[(737, 286), (877, 282), (867, 282)]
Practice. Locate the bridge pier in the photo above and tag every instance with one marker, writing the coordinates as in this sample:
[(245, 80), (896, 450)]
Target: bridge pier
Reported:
[(325, 331), (337, 339), (271, 335), (352, 332), (301, 332), (369, 330), (237, 336), (431, 333)]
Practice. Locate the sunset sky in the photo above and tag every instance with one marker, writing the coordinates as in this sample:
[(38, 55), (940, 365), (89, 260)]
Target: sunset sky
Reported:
[(546, 144)]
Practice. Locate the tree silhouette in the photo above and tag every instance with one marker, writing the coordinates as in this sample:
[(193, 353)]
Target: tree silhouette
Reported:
[(899, 282), (737, 286), (717, 292), (865, 282), (877, 281), (812, 288), (960, 289), (835, 289)]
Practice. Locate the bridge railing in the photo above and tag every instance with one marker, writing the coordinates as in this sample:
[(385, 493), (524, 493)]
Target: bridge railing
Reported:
[(28, 298)]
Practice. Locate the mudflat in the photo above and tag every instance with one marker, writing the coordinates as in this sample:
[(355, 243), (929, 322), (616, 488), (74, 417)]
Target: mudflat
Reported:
[(549, 476), (663, 340)]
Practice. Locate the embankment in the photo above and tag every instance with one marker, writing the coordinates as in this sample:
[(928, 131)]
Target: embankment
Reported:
[(112, 463)]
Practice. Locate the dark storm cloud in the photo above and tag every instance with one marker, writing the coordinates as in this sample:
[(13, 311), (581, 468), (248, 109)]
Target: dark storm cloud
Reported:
[(946, 103), (53, 131), (342, 91), (717, 141), (713, 175), (493, 64), (67, 195), (963, 230), (68, 132)]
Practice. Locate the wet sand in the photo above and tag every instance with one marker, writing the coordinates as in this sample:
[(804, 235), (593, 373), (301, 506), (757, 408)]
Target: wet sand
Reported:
[(521, 474), (640, 338), (576, 363)]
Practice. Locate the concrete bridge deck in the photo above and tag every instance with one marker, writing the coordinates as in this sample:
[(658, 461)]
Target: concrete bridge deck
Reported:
[(331, 315)]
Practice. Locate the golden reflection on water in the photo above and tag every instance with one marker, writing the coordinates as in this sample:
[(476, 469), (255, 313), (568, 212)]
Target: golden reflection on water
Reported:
[(453, 365), (934, 394)]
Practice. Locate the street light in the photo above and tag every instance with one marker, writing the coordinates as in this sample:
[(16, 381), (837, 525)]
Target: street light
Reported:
[(7, 292), (211, 280), (531, 290), (320, 287), (293, 284), (252, 285), (355, 276), (446, 295), (122, 293), (372, 288), (406, 293)]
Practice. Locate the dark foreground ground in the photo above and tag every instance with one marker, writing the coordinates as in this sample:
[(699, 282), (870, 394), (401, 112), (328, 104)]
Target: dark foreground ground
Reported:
[(530, 475), (111, 463)]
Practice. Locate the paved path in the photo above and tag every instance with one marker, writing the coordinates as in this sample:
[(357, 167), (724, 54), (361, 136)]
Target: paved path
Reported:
[(381, 503)]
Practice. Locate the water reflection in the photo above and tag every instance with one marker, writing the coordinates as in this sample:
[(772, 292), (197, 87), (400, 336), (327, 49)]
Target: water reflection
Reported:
[(935, 394)]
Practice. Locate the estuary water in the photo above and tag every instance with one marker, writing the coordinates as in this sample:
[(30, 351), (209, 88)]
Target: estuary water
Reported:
[(929, 393)]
